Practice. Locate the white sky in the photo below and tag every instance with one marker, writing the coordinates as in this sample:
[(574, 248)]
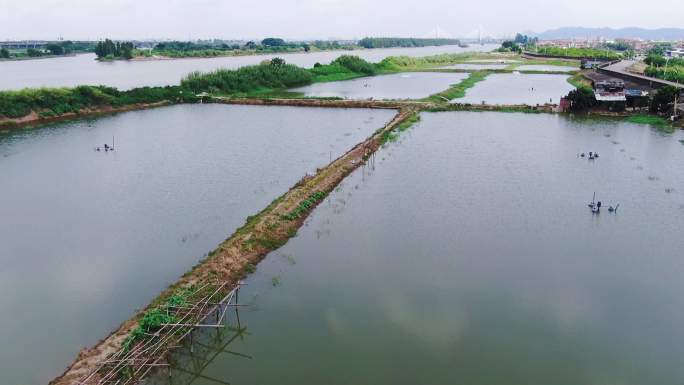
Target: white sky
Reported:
[(292, 19)]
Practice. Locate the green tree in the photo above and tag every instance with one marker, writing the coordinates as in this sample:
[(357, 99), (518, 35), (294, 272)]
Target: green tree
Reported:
[(273, 42), (663, 98), (4, 53), (32, 52), (55, 49), (581, 99)]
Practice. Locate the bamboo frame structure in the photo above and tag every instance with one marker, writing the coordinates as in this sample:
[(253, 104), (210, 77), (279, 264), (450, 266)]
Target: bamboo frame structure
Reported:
[(130, 366)]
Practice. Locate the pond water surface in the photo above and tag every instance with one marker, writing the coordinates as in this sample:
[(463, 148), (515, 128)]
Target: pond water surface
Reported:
[(410, 85), (87, 237), (468, 255), (515, 88), (84, 69)]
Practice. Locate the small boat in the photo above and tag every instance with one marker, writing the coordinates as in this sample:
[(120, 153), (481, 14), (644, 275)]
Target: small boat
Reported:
[(614, 209)]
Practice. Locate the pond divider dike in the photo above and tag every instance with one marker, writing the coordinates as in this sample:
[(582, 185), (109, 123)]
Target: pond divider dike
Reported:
[(135, 348)]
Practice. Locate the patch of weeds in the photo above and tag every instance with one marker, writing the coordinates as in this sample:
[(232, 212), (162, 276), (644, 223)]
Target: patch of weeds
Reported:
[(393, 135), (276, 281), (250, 268), (305, 205), (655, 121)]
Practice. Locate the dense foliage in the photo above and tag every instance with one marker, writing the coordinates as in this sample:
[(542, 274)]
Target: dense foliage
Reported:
[(58, 101), (583, 53), (385, 42), (581, 99), (509, 46), (213, 48), (273, 74), (663, 98), (667, 69), (108, 49)]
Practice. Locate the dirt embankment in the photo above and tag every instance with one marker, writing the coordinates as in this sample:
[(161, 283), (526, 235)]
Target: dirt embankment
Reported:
[(34, 119), (260, 235)]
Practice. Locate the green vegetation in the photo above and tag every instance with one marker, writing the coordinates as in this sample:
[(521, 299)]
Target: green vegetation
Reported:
[(343, 68), (270, 75), (108, 50), (48, 102), (387, 42), (459, 90), (214, 48), (667, 69), (663, 98), (580, 53), (655, 121), (509, 46), (579, 81), (157, 316), (393, 135), (581, 99), (305, 205)]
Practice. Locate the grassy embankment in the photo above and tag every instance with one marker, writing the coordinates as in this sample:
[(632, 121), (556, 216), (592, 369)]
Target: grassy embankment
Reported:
[(264, 80), (458, 90), (579, 81), (54, 102)]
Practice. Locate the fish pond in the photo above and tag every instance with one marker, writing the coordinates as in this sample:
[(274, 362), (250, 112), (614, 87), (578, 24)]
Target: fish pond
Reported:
[(465, 253), (87, 237), (516, 88)]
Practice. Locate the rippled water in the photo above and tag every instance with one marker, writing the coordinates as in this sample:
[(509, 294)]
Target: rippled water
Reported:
[(469, 255), (411, 85), (87, 237), (515, 88), (84, 69)]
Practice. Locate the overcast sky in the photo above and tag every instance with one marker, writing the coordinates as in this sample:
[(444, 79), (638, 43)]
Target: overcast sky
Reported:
[(294, 19)]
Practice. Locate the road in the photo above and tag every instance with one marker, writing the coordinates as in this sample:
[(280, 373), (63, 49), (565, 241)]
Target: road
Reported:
[(620, 68)]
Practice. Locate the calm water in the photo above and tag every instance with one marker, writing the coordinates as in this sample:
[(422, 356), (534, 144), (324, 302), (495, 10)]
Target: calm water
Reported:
[(413, 85), (476, 67), (469, 256), (88, 237), (84, 69), (547, 68), (515, 88)]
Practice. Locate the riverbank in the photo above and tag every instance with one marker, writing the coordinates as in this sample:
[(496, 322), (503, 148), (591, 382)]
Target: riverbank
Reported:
[(262, 233), (34, 120)]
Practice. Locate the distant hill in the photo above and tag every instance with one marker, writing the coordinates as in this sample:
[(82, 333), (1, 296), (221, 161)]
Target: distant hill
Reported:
[(612, 33)]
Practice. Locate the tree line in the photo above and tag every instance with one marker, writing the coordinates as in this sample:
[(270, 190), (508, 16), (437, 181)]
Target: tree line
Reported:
[(108, 49), (387, 42)]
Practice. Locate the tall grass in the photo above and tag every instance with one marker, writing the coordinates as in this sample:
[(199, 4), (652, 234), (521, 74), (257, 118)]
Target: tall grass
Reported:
[(459, 90), (655, 121), (58, 101), (250, 78)]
